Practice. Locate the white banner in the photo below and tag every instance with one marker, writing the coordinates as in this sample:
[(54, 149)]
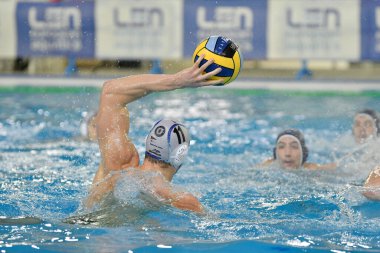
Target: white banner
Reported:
[(144, 29), (310, 29), (8, 43)]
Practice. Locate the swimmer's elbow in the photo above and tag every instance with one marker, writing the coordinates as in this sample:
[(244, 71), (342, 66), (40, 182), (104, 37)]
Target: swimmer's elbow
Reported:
[(189, 203), (371, 195), (372, 187), (107, 87), (193, 208)]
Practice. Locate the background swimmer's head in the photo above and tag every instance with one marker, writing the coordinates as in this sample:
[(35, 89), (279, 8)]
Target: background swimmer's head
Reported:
[(366, 125), (168, 141), (290, 151), (88, 127)]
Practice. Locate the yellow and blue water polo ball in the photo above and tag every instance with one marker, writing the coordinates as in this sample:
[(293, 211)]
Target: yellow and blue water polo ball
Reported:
[(226, 55)]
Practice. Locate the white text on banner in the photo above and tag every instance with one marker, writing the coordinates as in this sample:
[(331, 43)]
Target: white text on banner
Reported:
[(144, 29), (307, 29)]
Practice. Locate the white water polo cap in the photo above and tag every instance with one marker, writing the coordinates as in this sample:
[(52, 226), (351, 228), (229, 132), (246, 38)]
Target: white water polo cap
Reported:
[(168, 141)]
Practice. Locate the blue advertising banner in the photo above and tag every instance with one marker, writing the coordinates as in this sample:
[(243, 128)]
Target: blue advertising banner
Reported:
[(54, 29), (370, 29), (244, 21), (263, 29)]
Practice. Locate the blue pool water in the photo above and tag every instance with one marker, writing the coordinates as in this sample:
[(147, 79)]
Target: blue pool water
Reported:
[(46, 169)]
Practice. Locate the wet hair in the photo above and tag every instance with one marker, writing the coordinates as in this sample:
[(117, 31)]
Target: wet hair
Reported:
[(297, 134), (374, 116)]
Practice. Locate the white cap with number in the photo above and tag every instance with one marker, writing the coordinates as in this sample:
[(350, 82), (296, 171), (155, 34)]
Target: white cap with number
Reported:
[(168, 141)]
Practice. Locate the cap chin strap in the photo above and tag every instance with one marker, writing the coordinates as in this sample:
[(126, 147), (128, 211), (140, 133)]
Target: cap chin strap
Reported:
[(178, 155)]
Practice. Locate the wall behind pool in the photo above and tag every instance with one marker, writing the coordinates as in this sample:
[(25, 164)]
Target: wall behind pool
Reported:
[(170, 29)]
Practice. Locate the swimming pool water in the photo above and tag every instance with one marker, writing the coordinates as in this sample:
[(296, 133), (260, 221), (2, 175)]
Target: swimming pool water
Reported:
[(46, 169)]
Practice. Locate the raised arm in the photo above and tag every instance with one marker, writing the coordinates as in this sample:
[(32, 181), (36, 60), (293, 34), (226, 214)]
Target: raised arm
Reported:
[(119, 92), (113, 117)]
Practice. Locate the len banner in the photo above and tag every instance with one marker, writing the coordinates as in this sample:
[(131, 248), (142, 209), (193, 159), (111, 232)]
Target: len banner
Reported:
[(243, 21), (59, 29), (145, 29), (309, 29)]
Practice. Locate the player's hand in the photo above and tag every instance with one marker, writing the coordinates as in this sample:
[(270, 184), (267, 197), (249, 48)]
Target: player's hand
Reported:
[(196, 76)]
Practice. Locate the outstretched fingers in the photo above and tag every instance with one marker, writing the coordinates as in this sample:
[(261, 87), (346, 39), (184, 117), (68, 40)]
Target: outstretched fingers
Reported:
[(206, 76), (202, 68), (206, 65), (203, 77), (212, 73), (198, 61)]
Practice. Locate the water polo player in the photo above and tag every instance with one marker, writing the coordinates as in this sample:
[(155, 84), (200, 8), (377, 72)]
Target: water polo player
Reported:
[(88, 128), (291, 152), (166, 144), (366, 125)]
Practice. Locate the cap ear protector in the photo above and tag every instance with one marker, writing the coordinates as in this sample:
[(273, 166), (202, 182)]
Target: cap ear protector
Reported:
[(297, 134), (178, 155), (168, 141)]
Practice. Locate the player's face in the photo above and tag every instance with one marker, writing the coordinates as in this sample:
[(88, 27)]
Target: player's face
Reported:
[(91, 129), (289, 153), (363, 128)]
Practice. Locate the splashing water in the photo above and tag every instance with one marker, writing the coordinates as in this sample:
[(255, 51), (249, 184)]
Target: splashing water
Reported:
[(46, 170)]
